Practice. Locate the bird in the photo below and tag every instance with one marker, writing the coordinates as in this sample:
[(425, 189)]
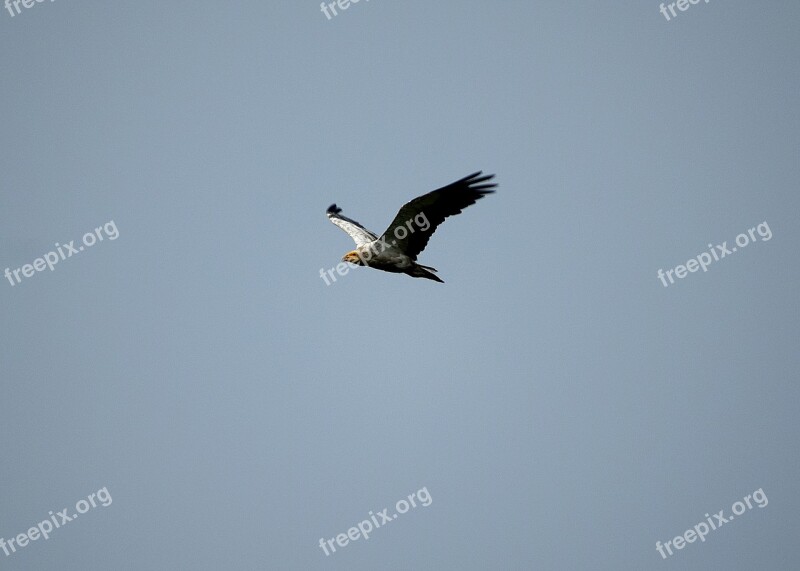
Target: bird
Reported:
[(396, 250)]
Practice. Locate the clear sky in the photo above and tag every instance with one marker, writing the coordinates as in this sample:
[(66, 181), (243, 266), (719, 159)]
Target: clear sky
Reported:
[(558, 405)]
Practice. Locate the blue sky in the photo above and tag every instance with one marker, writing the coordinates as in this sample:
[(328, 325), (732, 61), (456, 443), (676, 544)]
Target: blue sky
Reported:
[(563, 408)]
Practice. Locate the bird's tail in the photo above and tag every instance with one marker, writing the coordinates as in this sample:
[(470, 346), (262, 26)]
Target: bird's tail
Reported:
[(420, 271)]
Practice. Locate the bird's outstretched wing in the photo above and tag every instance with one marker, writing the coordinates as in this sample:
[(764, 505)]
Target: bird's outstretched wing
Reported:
[(425, 213), (357, 232)]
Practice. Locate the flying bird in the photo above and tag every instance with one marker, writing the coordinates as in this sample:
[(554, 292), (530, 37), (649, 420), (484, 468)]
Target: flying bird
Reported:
[(396, 250)]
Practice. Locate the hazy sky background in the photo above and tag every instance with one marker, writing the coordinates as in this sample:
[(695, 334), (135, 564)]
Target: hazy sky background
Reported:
[(563, 408)]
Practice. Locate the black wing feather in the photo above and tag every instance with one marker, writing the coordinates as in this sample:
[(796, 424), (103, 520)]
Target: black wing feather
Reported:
[(436, 206)]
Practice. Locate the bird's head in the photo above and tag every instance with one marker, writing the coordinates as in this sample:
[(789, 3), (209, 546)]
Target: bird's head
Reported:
[(353, 258)]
